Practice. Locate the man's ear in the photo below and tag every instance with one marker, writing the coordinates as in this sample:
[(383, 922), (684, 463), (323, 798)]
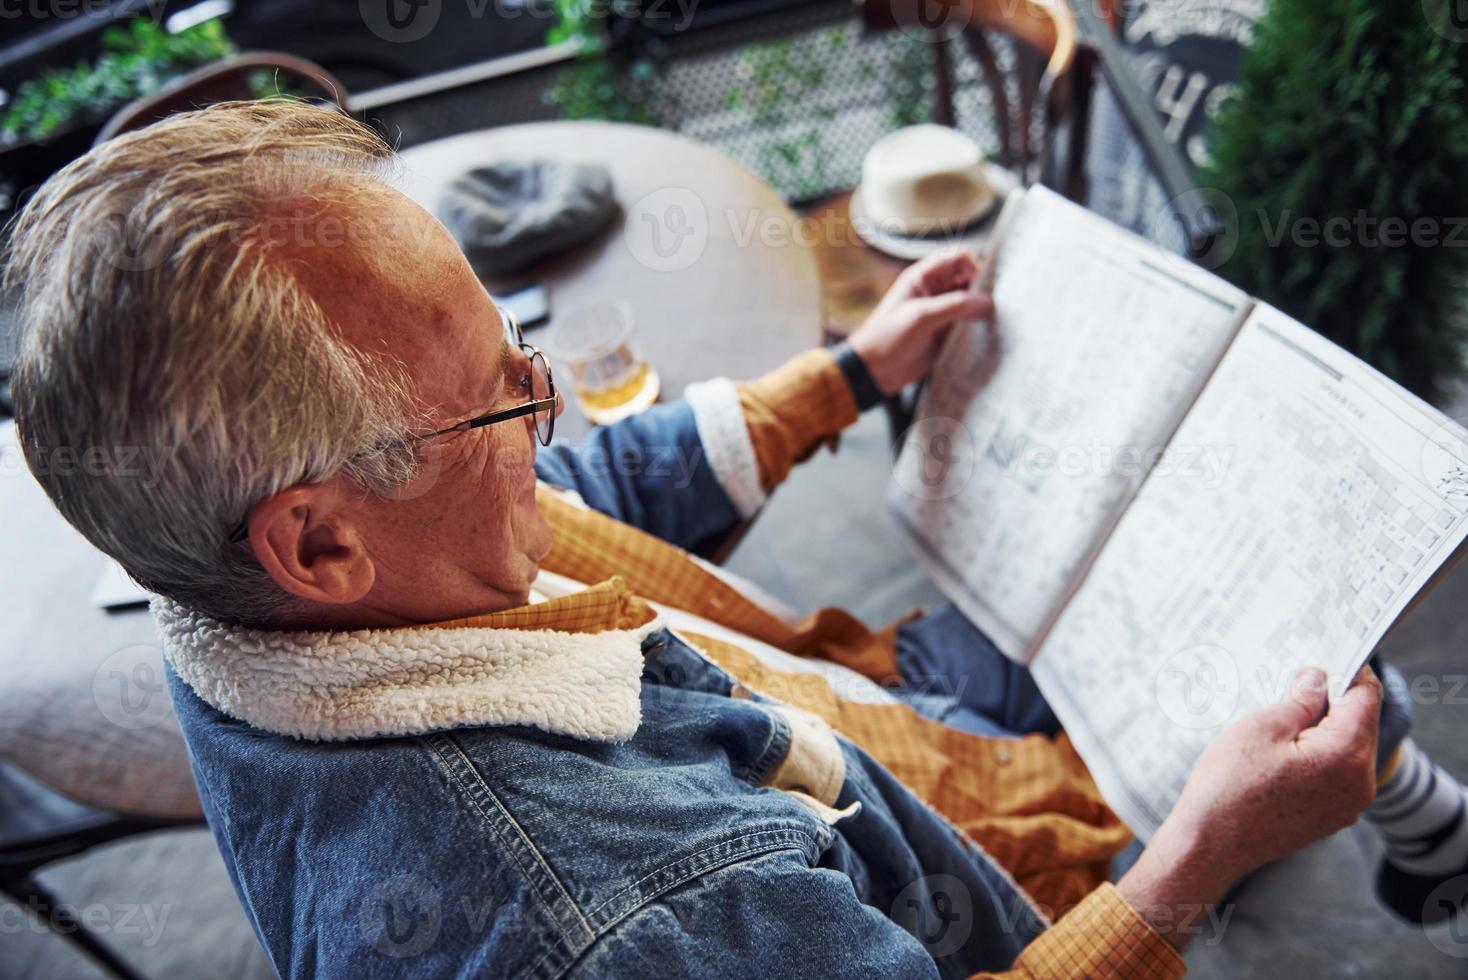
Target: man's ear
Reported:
[(310, 546)]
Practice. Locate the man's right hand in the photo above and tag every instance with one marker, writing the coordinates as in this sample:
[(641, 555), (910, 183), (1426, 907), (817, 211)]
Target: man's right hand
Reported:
[(1270, 783)]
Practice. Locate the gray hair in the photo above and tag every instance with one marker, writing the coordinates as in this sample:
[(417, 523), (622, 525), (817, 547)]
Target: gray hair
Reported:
[(160, 331)]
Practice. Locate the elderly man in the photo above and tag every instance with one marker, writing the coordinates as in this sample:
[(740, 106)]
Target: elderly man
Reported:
[(460, 705)]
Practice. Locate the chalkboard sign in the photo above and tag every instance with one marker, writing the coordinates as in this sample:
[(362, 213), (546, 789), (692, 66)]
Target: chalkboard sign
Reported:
[(1185, 55)]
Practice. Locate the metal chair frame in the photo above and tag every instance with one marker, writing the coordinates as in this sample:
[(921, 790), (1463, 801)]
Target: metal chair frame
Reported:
[(65, 829)]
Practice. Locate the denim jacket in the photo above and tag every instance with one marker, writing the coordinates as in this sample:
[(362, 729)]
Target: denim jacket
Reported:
[(506, 844)]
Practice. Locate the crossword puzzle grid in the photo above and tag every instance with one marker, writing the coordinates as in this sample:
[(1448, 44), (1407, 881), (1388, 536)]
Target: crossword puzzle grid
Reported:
[(1091, 367), (1308, 531)]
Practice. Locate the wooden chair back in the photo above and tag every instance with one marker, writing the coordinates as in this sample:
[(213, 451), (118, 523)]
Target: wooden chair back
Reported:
[(222, 81), (1047, 52)]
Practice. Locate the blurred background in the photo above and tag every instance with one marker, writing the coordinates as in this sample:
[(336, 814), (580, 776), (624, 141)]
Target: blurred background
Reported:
[(1183, 120)]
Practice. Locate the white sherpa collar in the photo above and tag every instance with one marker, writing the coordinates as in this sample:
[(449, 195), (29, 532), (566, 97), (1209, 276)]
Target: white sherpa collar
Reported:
[(366, 683)]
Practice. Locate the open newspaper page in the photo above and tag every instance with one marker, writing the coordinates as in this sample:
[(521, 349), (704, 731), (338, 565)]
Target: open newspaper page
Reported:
[(1340, 497), (1037, 428)]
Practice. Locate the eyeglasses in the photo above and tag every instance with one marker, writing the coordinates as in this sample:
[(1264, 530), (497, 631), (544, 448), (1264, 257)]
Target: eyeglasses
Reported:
[(538, 383)]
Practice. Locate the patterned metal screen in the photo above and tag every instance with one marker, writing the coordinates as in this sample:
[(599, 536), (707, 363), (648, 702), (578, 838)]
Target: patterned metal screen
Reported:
[(798, 95)]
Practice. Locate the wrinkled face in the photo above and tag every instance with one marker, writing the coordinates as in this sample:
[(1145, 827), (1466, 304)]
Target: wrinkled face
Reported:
[(466, 536)]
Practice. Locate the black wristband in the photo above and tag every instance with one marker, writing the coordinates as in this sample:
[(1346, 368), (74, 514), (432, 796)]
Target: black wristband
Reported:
[(858, 377)]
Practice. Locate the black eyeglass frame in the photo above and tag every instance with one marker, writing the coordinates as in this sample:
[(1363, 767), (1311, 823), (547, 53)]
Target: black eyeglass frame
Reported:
[(535, 405), (519, 411)]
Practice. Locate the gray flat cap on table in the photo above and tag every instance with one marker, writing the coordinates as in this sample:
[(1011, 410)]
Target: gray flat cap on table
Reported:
[(507, 215)]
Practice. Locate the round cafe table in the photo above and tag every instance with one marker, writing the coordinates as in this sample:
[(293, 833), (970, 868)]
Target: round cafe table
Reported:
[(706, 255)]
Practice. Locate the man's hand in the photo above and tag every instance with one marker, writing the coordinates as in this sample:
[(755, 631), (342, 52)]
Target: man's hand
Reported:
[(1269, 784), (900, 340)]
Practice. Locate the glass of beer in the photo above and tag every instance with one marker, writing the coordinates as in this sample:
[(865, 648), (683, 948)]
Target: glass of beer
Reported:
[(594, 345)]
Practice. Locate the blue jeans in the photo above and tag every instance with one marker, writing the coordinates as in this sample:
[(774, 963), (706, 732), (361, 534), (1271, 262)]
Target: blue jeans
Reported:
[(952, 673)]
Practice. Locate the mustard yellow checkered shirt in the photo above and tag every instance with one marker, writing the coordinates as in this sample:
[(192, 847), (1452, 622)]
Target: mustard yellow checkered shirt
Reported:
[(1029, 802)]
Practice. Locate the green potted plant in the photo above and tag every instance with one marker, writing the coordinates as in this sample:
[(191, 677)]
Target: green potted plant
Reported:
[(618, 67), (53, 118), (1344, 152)]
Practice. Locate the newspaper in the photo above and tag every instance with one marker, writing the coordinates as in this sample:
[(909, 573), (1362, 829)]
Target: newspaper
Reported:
[(1166, 498)]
